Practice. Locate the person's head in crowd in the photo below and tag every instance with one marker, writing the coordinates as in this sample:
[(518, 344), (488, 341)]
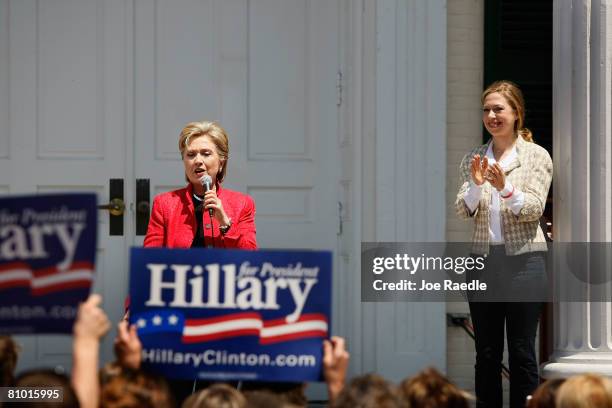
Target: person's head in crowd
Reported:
[(544, 396), (39, 378), (266, 399), (288, 392), (8, 360), (204, 149), (133, 388), (430, 389), (216, 396), (367, 391), (585, 391)]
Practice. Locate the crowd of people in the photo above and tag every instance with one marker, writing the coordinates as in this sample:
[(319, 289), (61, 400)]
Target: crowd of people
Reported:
[(125, 383)]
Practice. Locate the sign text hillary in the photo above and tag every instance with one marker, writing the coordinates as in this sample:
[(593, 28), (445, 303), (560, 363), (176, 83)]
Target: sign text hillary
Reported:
[(245, 286), (30, 233)]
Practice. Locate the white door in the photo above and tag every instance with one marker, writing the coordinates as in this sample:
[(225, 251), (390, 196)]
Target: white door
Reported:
[(100, 89), (62, 115), (264, 69)]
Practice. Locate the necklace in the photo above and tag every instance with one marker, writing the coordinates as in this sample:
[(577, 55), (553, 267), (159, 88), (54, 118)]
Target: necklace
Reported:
[(200, 206), (498, 152)]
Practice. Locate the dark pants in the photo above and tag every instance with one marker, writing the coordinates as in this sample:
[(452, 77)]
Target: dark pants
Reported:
[(508, 277)]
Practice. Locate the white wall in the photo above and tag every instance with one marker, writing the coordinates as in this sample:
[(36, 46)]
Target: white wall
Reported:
[(464, 131), (393, 149), (407, 198)]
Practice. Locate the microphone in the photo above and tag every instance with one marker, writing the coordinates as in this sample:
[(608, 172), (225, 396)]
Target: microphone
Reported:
[(207, 184)]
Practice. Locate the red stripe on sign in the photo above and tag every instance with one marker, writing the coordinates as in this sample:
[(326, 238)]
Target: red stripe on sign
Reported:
[(306, 317), (53, 269), (220, 335), (15, 283), (79, 284), (14, 265), (219, 319), (293, 336)]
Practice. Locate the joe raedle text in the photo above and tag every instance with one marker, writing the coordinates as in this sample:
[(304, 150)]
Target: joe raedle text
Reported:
[(426, 274), (426, 286)]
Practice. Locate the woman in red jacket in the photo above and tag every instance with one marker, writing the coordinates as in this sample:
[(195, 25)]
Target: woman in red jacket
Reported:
[(182, 218)]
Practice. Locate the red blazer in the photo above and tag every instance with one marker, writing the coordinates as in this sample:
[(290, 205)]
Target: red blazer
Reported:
[(173, 223)]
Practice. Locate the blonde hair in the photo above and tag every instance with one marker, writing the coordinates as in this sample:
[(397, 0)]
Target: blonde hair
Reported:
[(585, 391), (513, 95), (216, 396), (544, 395), (216, 134)]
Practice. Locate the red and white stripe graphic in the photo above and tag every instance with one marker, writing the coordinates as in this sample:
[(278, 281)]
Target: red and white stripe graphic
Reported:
[(251, 324), (307, 326), (47, 280), (222, 327)]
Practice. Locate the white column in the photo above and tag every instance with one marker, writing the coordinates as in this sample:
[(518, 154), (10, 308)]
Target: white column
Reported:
[(582, 140)]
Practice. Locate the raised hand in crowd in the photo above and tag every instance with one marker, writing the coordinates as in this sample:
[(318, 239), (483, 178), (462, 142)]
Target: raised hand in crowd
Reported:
[(90, 326), (128, 347), (335, 365)]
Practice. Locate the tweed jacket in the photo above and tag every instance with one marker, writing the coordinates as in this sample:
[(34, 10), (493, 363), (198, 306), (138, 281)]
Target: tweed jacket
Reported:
[(531, 173), (173, 223)]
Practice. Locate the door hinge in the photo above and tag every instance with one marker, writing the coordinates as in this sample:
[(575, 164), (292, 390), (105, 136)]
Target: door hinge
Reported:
[(339, 89), (340, 220)]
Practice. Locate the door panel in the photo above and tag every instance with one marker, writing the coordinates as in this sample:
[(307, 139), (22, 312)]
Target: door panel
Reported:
[(266, 71), (65, 107), (100, 89), (292, 122)]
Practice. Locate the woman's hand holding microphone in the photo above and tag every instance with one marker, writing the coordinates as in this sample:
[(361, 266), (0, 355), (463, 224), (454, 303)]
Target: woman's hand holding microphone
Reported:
[(211, 201)]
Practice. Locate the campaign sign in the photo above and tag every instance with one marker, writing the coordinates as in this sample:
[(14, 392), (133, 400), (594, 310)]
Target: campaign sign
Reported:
[(47, 258), (230, 314)]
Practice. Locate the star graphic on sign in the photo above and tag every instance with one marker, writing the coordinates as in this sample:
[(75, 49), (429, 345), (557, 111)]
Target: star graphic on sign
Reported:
[(141, 323), (157, 320), (173, 319)]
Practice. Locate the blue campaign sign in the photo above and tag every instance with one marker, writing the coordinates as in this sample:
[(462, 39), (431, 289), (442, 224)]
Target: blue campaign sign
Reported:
[(47, 258), (230, 314)]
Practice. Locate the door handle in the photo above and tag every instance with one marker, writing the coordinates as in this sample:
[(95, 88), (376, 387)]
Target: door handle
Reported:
[(143, 206), (115, 207)]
